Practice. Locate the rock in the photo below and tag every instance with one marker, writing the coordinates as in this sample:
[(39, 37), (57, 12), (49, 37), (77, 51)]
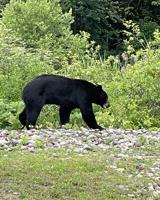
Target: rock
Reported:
[(121, 170), (79, 150), (14, 142), (31, 149), (24, 147), (131, 195), (3, 142), (150, 188), (91, 137), (87, 147), (140, 167)]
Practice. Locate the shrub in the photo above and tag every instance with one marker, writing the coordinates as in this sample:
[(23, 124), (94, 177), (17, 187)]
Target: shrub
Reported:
[(40, 24), (9, 114), (135, 95)]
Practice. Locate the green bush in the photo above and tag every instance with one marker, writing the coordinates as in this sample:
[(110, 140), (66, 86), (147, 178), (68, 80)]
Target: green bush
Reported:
[(9, 114), (135, 95), (37, 22), (41, 25), (16, 69)]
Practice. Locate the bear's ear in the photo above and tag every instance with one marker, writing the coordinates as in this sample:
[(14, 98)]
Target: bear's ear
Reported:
[(99, 87)]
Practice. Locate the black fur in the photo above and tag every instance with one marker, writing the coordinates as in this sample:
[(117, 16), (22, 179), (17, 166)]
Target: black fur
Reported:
[(65, 92)]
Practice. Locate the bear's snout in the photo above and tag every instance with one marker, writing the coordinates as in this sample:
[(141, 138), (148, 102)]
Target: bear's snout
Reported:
[(106, 105)]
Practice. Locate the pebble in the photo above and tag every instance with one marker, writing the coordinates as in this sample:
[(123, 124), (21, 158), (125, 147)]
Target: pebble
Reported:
[(3, 142)]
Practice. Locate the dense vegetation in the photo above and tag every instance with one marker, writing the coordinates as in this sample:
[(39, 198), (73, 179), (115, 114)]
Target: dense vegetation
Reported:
[(41, 36), (105, 19)]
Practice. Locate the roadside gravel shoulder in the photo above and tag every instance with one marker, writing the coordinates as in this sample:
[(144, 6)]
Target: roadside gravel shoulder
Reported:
[(79, 141)]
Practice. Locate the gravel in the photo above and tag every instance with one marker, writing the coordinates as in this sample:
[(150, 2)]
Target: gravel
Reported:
[(78, 140)]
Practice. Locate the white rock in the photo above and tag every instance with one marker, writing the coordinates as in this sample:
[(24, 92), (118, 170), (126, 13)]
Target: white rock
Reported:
[(3, 142)]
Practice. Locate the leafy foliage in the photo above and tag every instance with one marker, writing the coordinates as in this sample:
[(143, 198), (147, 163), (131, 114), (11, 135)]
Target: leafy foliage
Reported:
[(138, 94), (9, 114), (102, 20), (38, 23), (43, 27)]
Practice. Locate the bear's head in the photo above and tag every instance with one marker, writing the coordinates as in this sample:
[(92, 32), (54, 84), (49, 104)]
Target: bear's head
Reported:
[(101, 97)]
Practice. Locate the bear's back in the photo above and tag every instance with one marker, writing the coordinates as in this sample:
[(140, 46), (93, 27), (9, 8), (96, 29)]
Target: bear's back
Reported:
[(54, 84)]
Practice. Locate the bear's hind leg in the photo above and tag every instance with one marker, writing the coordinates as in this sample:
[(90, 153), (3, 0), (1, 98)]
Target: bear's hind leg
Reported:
[(22, 118), (64, 113), (33, 111)]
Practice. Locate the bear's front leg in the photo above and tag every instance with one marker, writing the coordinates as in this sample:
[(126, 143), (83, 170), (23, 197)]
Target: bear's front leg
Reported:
[(88, 116)]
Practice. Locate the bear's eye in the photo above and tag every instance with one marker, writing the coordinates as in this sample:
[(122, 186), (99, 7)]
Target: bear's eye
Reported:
[(103, 96)]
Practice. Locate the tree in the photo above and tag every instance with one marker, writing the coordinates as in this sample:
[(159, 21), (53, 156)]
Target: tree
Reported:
[(103, 19)]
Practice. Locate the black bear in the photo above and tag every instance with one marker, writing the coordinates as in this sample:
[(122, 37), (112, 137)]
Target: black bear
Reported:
[(65, 92)]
